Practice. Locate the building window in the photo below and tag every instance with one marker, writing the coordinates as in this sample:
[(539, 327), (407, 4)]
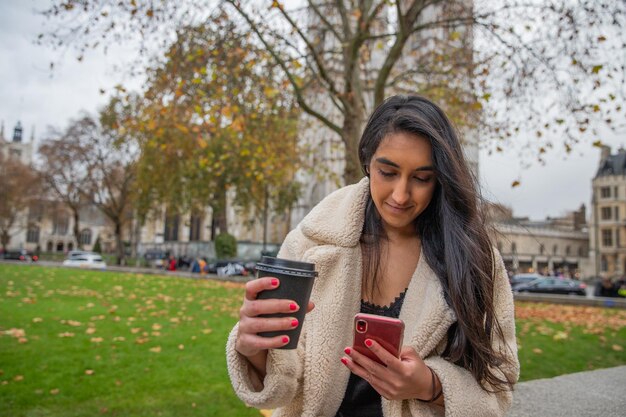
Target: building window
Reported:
[(605, 192), (607, 237), (32, 236), (605, 213), (615, 192), (35, 213), (195, 227), (85, 237), (542, 249), (616, 216), (567, 250), (171, 228), (59, 226), (513, 248), (604, 265), (554, 249), (580, 251)]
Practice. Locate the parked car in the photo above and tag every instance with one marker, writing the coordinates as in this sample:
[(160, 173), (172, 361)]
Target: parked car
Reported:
[(228, 268), (73, 254), (89, 260), (19, 255), (518, 279), (553, 286), (156, 258)]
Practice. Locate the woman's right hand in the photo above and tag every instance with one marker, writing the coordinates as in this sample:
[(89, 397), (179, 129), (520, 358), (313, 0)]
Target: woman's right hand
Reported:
[(249, 343)]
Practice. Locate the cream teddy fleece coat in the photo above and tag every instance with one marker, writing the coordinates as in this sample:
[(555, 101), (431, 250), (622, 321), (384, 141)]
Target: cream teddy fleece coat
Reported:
[(310, 381)]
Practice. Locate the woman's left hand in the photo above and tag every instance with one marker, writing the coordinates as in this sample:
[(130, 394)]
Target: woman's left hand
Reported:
[(402, 378)]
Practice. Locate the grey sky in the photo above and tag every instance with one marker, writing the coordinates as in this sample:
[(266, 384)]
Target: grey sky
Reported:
[(29, 92)]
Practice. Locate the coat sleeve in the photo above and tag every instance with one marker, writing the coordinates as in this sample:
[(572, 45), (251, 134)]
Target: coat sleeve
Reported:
[(284, 367), (463, 395)]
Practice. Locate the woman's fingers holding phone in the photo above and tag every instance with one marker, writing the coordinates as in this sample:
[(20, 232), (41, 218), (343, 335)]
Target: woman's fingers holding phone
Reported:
[(371, 366), (389, 360), (371, 375), (404, 378)]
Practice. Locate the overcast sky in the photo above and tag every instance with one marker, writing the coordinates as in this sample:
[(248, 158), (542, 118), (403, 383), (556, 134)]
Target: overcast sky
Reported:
[(32, 94)]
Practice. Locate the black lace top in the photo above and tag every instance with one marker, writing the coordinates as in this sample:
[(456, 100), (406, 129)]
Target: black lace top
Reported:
[(360, 399)]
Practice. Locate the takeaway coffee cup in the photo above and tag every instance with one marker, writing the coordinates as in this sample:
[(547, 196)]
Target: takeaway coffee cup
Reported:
[(296, 283)]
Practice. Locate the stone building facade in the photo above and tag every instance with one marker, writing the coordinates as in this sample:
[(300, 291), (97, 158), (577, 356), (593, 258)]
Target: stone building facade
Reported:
[(192, 234), (607, 232), (51, 225), (47, 225), (16, 147), (555, 246)]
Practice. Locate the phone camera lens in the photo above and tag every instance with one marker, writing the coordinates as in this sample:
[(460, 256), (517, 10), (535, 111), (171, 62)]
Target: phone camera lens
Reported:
[(361, 326)]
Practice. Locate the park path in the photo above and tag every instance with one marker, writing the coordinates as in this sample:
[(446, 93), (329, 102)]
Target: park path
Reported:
[(599, 393)]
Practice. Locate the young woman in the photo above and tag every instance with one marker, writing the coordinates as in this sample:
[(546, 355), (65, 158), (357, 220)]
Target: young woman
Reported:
[(407, 241)]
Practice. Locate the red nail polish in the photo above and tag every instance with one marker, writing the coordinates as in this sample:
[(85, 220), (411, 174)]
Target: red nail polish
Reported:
[(347, 350), (274, 282), (293, 307), (294, 323), (344, 361), (368, 342), (285, 339)]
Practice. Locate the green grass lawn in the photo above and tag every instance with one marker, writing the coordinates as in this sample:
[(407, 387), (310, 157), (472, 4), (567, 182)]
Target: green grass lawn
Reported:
[(103, 343), (555, 339), (83, 343)]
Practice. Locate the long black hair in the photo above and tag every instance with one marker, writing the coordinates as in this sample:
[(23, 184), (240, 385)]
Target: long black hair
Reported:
[(452, 230)]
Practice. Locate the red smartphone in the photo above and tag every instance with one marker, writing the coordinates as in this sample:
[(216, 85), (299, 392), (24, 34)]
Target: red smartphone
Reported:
[(387, 331)]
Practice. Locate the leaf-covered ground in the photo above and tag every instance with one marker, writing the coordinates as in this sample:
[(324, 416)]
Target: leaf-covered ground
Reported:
[(558, 339)]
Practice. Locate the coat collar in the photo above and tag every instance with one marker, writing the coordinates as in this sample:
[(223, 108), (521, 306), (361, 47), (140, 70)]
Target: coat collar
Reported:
[(345, 208)]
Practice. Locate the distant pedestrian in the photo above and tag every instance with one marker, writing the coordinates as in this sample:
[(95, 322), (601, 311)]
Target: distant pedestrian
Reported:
[(620, 287), (195, 266), (172, 264), (606, 288)]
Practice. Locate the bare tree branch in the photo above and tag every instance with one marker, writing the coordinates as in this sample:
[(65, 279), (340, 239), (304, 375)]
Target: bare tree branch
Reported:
[(324, 20), (297, 90), (321, 68)]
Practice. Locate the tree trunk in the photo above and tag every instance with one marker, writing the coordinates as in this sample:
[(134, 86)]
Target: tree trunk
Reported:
[(137, 222), (265, 216), (221, 223), (213, 227), (119, 243), (219, 214), (4, 239), (77, 228), (352, 128)]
